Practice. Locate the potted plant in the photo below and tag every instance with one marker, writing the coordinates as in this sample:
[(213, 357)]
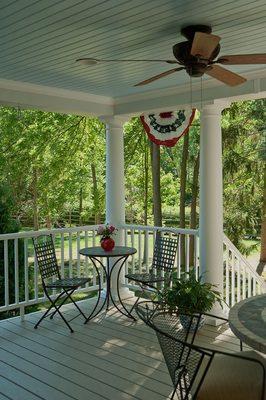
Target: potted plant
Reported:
[(190, 296)]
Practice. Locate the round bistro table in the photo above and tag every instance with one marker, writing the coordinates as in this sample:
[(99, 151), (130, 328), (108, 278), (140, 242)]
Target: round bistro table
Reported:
[(247, 319), (121, 253)]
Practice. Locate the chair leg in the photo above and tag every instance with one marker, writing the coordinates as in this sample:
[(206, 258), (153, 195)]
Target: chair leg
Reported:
[(61, 294), (43, 316), (75, 304), (57, 309)]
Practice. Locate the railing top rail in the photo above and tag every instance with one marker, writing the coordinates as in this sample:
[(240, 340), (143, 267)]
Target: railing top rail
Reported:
[(30, 234), (233, 248), (155, 228)]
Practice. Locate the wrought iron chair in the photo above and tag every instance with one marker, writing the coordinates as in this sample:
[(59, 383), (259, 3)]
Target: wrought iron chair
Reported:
[(201, 373), (51, 279), (160, 274)]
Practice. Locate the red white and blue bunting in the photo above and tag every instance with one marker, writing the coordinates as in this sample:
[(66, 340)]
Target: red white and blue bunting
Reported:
[(168, 127)]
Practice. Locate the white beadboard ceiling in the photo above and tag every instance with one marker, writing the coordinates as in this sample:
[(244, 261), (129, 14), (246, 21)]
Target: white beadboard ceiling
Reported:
[(41, 39)]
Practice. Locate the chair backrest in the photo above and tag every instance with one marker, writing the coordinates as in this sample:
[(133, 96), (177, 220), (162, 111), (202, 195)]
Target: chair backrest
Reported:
[(182, 357), (164, 252), (46, 257)]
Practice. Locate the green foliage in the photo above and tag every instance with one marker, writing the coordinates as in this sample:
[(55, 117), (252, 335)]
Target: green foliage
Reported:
[(242, 127), (190, 295), (46, 158)]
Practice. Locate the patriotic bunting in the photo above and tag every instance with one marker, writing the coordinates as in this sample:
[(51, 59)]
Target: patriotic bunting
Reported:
[(167, 128)]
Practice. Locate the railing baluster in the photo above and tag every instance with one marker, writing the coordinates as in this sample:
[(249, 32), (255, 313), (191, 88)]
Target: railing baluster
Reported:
[(36, 271), (187, 252), (249, 284), (93, 271), (233, 288), (126, 263), (244, 294), (78, 254), (62, 245), (139, 251), (70, 266), (132, 234), (16, 270), (227, 282), (238, 280), (254, 286), (179, 258), (86, 258), (26, 270), (146, 244), (196, 252), (6, 273)]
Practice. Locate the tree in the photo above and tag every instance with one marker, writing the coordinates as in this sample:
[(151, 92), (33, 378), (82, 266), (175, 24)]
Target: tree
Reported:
[(262, 260), (156, 183), (243, 181)]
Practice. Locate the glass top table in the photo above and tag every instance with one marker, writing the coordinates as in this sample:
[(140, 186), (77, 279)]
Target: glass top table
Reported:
[(120, 255), (247, 319)]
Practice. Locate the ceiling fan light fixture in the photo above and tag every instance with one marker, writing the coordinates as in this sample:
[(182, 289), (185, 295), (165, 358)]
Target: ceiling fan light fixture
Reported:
[(87, 61)]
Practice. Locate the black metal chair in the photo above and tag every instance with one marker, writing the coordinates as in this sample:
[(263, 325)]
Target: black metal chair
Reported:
[(201, 373), (160, 274), (51, 279)]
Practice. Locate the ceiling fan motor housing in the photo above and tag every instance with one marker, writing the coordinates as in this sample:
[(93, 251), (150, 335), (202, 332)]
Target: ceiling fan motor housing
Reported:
[(195, 66)]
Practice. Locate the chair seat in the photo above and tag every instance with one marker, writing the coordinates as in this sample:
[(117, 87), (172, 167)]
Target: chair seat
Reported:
[(145, 278), (68, 283), (231, 378)]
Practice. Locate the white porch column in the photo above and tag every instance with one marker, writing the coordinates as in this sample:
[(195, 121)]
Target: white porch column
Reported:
[(211, 195), (115, 185)]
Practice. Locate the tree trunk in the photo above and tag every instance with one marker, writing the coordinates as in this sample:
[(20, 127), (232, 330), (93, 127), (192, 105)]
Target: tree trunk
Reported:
[(48, 221), (183, 181), (146, 185), (145, 205), (95, 191), (193, 211), (35, 205), (262, 262), (156, 184), (80, 205)]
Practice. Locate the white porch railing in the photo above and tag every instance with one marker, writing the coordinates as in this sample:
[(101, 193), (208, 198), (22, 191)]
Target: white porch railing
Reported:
[(20, 284), (240, 279)]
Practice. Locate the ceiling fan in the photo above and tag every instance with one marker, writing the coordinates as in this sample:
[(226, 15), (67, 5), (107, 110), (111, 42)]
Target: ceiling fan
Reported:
[(197, 56)]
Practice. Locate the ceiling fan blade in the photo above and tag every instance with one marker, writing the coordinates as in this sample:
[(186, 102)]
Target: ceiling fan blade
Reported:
[(225, 76), (204, 44), (94, 61), (154, 78), (243, 59)]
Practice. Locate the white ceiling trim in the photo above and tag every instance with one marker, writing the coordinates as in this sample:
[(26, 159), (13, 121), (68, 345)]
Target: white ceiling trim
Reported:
[(179, 96), (28, 95)]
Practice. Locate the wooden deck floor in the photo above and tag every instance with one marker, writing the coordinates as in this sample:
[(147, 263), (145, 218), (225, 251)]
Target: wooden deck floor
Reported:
[(109, 358)]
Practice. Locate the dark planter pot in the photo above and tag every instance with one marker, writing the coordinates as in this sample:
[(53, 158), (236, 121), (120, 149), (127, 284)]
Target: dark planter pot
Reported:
[(107, 244), (186, 322)]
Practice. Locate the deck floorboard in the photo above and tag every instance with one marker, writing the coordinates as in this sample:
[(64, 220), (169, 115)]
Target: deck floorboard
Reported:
[(109, 358)]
